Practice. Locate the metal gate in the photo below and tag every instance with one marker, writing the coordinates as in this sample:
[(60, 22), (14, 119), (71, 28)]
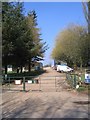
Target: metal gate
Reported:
[(35, 83)]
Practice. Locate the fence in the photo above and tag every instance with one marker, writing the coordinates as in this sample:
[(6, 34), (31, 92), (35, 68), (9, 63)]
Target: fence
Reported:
[(16, 83), (74, 79), (42, 83), (34, 83)]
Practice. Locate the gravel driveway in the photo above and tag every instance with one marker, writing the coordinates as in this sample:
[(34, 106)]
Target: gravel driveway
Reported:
[(45, 104)]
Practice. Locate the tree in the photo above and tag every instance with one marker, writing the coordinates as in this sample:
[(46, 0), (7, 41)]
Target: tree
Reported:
[(6, 33), (34, 44), (21, 36), (14, 51), (71, 45), (86, 9)]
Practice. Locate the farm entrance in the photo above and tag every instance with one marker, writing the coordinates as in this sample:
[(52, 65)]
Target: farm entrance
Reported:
[(41, 83)]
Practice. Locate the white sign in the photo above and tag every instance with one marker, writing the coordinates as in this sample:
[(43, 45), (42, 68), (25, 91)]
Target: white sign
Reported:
[(17, 82), (87, 78), (29, 81)]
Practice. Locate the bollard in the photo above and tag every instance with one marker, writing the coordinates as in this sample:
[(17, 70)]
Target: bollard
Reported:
[(23, 83)]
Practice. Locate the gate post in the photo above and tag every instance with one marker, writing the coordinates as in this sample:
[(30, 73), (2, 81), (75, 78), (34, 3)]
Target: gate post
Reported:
[(23, 83), (74, 81), (55, 84), (9, 83), (39, 83)]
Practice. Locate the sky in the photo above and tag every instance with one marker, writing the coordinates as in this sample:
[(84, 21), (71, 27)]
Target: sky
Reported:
[(52, 18)]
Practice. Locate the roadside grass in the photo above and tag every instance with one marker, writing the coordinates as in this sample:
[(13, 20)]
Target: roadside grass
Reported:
[(80, 79), (84, 89)]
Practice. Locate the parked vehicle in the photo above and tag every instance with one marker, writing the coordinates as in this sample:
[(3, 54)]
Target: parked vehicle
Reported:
[(64, 68)]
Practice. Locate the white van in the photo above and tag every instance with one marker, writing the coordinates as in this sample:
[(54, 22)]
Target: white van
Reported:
[(64, 68)]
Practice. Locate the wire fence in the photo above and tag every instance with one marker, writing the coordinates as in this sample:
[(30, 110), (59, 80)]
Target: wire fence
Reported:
[(75, 79)]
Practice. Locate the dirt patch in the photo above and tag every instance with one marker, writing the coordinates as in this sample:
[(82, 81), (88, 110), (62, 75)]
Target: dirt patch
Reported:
[(45, 104)]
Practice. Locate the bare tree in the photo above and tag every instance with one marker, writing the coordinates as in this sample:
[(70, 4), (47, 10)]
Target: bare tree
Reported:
[(86, 9)]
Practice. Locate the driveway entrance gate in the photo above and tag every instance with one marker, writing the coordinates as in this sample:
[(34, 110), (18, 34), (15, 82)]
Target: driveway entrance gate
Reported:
[(32, 83)]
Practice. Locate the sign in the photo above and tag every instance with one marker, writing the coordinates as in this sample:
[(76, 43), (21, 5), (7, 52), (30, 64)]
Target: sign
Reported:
[(29, 81), (17, 82), (87, 76)]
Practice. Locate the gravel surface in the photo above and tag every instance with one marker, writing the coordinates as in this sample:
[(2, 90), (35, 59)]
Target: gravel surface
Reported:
[(52, 98)]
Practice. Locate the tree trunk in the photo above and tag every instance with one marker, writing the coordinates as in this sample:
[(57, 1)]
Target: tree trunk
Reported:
[(21, 69), (81, 67), (18, 70), (29, 66), (5, 69)]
